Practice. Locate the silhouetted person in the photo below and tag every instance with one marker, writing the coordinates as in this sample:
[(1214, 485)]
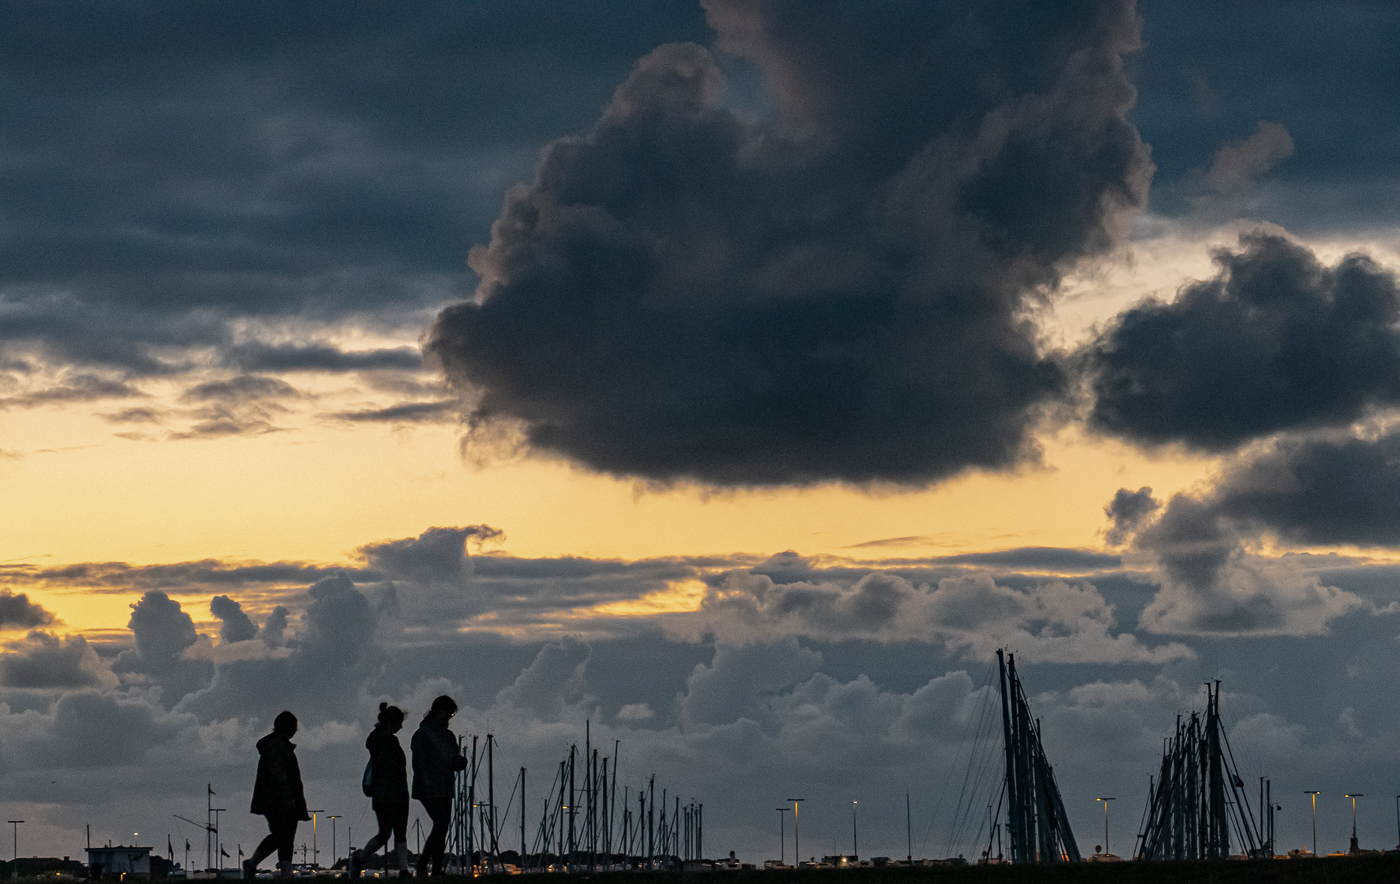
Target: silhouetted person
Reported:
[(436, 760), (388, 790), (278, 795)]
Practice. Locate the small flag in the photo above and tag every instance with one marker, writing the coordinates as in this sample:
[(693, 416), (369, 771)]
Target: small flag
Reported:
[(223, 853), (187, 845)]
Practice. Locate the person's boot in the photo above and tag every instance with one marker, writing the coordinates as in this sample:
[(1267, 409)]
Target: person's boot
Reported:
[(284, 870), (250, 868), (401, 859), (357, 863)]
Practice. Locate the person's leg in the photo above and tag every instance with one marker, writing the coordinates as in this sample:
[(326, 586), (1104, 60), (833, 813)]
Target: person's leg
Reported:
[(440, 812), (264, 849), (285, 830), (398, 819)]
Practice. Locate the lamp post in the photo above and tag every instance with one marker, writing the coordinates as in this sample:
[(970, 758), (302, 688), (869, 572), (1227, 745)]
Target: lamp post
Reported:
[(333, 817), (14, 873), (782, 827), (218, 844), (314, 853), (1353, 796), (855, 834), (1397, 822), (1105, 822), (796, 833), (1314, 793)]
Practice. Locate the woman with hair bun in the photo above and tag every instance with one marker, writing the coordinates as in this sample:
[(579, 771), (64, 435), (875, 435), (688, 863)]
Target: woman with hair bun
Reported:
[(387, 786), (436, 760)]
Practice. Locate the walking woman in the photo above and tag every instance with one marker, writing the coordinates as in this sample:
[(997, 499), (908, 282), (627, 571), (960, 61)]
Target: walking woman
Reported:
[(278, 795), (387, 789), (436, 760)]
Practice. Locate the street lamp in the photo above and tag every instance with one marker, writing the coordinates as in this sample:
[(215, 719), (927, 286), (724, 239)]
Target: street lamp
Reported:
[(333, 817), (782, 827), (1105, 822), (14, 873), (314, 853), (796, 833), (1353, 797), (1314, 793), (855, 834)]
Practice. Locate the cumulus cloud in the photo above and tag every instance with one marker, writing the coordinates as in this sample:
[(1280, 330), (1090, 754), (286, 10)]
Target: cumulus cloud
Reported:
[(552, 681), (968, 614), (18, 612), (687, 294), (45, 661), (1275, 341), (1126, 511), (437, 556), (1211, 581), (235, 626)]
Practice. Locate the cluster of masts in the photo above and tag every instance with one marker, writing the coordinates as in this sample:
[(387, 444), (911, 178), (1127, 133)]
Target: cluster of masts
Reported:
[(582, 828), (1197, 806)]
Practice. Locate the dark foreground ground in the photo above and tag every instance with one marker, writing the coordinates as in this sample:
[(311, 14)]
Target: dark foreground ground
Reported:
[(1371, 870)]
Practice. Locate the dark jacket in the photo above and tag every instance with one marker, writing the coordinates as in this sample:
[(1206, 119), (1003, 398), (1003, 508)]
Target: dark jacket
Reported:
[(278, 791), (436, 759), (388, 774)]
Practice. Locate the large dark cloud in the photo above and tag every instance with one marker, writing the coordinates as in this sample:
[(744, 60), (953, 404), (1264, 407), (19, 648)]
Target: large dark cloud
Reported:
[(1275, 341), (17, 611), (687, 294)]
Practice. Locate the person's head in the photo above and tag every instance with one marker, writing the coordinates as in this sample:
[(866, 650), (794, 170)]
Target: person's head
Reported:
[(443, 708), (285, 724), (390, 717)]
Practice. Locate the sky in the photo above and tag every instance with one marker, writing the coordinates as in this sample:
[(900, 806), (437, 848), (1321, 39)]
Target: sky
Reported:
[(731, 379)]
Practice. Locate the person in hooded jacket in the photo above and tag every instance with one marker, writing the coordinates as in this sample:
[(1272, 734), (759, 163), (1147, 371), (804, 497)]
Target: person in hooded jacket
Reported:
[(436, 760), (278, 795), (387, 789)]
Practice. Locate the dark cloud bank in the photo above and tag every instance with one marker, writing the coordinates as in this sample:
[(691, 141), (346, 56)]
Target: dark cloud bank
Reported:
[(686, 293)]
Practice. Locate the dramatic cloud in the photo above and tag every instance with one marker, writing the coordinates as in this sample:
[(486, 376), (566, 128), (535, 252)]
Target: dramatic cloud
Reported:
[(684, 294), (1211, 584), (968, 615), (235, 626), (1126, 511), (1275, 341), (45, 661), (18, 612)]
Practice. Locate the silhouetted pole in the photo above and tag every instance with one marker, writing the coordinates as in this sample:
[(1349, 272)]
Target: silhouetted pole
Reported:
[(782, 828), (796, 833), (1314, 794), (1353, 797), (1105, 822), (333, 817), (14, 873), (909, 829), (315, 853), (855, 834)]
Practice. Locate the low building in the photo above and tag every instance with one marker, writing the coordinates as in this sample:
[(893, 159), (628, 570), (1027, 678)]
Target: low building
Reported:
[(114, 862)]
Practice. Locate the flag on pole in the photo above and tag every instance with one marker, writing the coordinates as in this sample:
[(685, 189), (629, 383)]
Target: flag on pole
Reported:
[(223, 853), (187, 845)]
